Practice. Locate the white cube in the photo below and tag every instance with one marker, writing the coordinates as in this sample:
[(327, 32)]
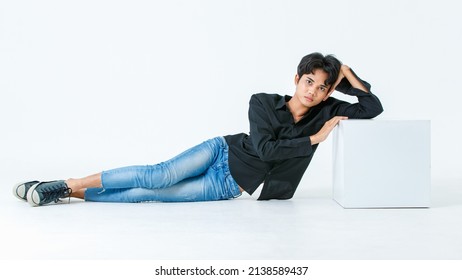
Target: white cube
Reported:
[(382, 163)]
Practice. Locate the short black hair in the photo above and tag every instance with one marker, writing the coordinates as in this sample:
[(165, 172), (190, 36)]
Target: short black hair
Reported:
[(313, 61)]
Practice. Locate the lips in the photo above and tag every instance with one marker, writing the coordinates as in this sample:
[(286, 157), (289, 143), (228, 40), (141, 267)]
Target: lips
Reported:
[(308, 98)]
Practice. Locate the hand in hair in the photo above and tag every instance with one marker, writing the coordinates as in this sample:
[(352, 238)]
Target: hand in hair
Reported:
[(345, 72)]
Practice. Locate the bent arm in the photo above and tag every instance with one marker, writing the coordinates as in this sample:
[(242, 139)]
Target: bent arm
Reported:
[(368, 106), (354, 81), (264, 139)]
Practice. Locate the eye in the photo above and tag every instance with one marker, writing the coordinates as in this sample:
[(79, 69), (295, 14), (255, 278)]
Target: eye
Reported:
[(323, 89), (309, 82)]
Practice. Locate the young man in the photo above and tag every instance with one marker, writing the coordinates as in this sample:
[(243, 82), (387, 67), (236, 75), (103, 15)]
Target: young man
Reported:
[(284, 134)]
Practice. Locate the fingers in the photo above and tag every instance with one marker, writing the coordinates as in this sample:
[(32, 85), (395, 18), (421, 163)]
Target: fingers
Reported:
[(326, 129), (341, 118), (335, 120)]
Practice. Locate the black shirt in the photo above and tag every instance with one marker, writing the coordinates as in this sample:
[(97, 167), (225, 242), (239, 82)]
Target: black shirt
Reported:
[(278, 150)]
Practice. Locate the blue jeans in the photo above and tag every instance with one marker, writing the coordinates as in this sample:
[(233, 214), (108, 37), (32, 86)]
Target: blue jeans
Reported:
[(198, 174)]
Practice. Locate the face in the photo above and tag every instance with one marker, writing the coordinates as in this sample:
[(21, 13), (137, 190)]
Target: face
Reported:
[(311, 88)]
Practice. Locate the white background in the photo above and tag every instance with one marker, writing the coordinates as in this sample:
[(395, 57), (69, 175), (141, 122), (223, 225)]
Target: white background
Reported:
[(91, 85)]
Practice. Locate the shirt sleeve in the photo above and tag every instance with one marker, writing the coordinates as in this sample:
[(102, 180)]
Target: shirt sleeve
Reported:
[(368, 105), (284, 178), (264, 139)]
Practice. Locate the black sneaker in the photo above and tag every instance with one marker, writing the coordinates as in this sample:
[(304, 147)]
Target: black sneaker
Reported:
[(20, 190), (46, 192)]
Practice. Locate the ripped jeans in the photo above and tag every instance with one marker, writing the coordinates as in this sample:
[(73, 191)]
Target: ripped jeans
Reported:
[(198, 174)]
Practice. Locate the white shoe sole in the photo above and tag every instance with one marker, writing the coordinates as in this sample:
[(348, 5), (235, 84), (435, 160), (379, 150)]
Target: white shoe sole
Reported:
[(32, 196), (19, 190)]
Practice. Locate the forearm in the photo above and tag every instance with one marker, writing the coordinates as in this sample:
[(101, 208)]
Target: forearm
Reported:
[(270, 150), (368, 105), (354, 81)]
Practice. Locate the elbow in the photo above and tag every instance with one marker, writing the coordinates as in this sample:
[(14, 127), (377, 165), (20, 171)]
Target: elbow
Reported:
[(372, 110), (377, 109), (375, 112), (264, 148), (266, 153), (264, 156)]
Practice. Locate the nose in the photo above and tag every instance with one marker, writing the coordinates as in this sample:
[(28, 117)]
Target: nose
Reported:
[(312, 91)]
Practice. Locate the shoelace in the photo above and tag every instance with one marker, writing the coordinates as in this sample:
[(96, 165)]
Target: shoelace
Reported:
[(54, 193), (67, 194)]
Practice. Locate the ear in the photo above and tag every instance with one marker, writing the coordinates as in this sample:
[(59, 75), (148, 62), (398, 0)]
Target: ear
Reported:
[(297, 79)]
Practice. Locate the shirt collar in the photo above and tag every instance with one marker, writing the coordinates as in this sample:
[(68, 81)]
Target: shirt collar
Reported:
[(281, 103)]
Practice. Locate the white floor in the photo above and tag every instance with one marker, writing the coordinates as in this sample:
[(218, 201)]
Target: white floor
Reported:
[(310, 226)]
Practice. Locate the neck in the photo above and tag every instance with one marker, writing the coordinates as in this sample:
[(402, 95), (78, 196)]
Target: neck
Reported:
[(297, 109)]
